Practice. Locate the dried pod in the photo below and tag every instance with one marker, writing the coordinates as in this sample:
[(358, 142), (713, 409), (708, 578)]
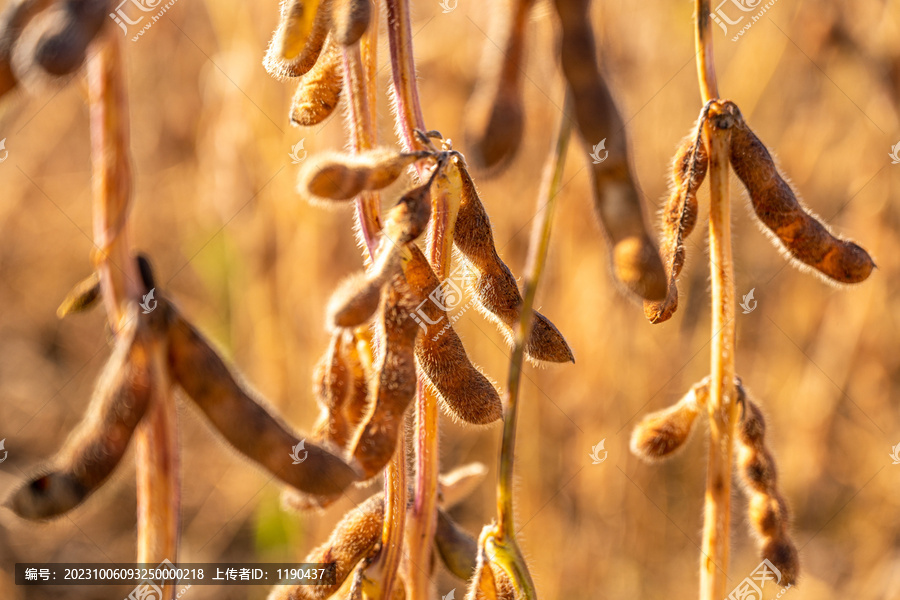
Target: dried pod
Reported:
[(767, 510), (244, 422), (678, 219), (395, 388), (465, 392), (354, 538), (498, 95), (458, 550), (14, 18), (331, 386), (635, 258), (661, 433), (121, 397), (801, 234), (490, 581), (82, 297), (459, 483), (493, 284), (357, 352), (357, 297), (299, 39), (333, 176), (351, 19), (319, 89), (56, 40)]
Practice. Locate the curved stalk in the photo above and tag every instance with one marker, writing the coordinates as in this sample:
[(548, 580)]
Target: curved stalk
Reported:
[(508, 552), (156, 453)]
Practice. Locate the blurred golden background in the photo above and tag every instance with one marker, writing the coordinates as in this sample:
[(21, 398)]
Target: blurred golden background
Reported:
[(253, 265)]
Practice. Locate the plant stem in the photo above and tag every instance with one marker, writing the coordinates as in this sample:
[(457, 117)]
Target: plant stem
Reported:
[(721, 405), (403, 70), (422, 519), (155, 438), (703, 45), (361, 121), (537, 256)]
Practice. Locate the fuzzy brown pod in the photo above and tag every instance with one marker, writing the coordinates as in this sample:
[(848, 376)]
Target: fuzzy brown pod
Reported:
[(801, 235), (357, 297), (679, 218), (351, 19), (490, 581), (465, 393), (330, 176), (395, 386), (357, 352), (498, 95), (458, 550), (353, 539), (54, 43), (13, 19), (493, 284), (331, 388), (660, 434), (244, 421), (635, 258), (93, 451), (319, 89), (298, 41), (82, 297), (767, 510)]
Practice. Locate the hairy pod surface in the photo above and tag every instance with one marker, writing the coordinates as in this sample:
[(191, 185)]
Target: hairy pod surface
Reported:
[(494, 286), (490, 581), (357, 352), (319, 89), (678, 220), (334, 176), (635, 258), (121, 398), (351, 19), (395, 387), (353, 539), (801, 234), (244, 422), (660, 434), (767, 510), (498, 96), (331, 387), (465, 393), (357, 297), (299, 38)]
